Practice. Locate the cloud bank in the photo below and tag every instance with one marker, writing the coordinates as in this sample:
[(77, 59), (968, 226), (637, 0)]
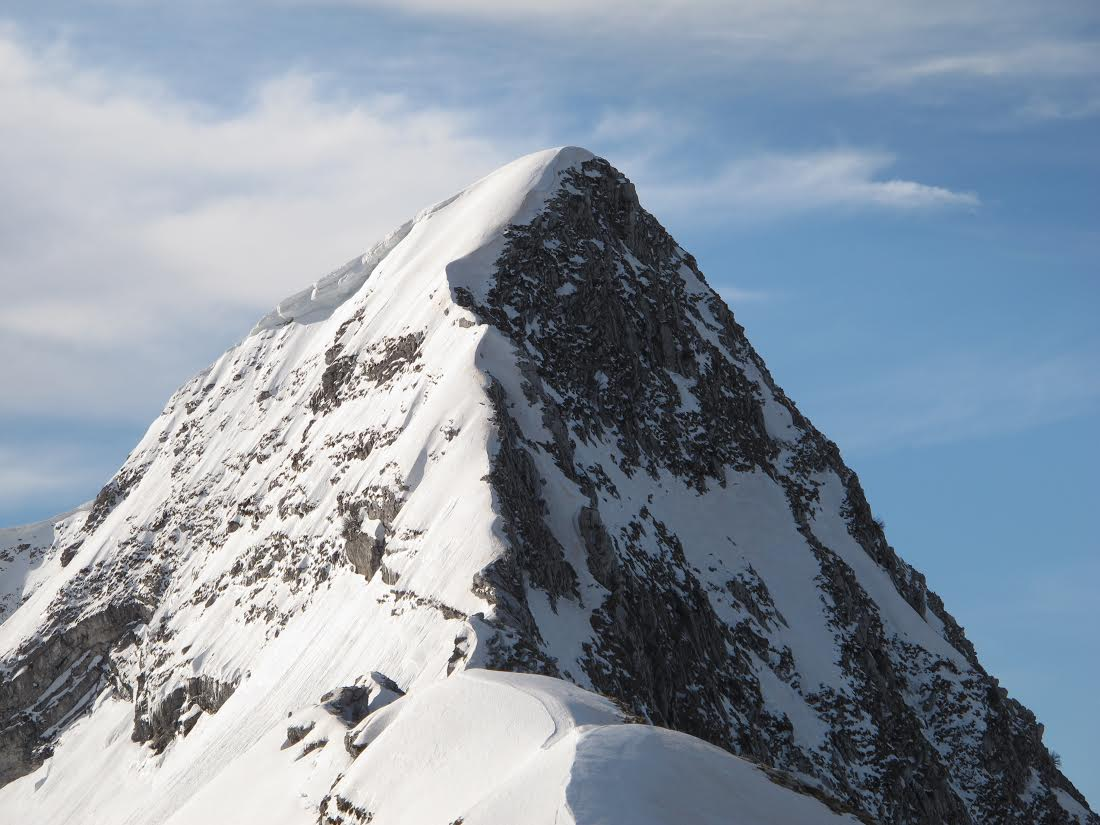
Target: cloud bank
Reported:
[(132, 221)]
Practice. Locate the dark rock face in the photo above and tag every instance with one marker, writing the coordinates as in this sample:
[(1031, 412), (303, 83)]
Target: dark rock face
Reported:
[(335, 810), (516, 481), (603, 560), (333, 379), (623, 347), (57, 680), (350, 703), (397, 355), (296, 733), (365, 551), (159, 722), (112, 493), (339, 379)]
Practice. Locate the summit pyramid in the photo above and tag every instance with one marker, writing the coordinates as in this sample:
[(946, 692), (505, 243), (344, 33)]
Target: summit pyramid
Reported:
[(503, 521)]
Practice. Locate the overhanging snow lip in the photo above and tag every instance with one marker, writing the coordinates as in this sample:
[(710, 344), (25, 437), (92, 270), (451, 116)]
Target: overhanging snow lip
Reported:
[(318, 301)]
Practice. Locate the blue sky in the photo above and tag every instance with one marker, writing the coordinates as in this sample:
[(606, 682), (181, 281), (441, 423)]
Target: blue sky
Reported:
[(900, 201)]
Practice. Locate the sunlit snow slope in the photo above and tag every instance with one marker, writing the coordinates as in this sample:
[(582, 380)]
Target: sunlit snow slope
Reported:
[(521, 433)]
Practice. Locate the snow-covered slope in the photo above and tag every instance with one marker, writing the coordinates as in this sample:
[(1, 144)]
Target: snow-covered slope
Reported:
[(481, 748), (28, 555), (521, 433)]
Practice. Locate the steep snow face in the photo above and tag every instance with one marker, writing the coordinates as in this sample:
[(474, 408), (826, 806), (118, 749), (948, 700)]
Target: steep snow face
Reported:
[(520, 433)]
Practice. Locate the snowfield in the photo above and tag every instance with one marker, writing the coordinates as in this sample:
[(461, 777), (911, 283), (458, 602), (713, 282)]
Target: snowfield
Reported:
[(483, 747)]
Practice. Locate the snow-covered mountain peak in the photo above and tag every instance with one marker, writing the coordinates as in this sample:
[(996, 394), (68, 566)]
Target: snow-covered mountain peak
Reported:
[(442, 234), (522, 433)]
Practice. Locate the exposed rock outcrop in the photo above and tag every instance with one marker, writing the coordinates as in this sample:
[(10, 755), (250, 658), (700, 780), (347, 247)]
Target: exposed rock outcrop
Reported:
[(57, 678)]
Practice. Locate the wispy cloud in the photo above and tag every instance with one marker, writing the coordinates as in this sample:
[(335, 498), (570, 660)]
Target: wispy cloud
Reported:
[(959, 397), (1045, 108), (868, 44), (735, 296), (630, 124), (769, 185), (1030, 60)]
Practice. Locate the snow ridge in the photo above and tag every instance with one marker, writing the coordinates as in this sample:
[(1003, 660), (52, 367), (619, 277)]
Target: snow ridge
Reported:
[(324, 295)]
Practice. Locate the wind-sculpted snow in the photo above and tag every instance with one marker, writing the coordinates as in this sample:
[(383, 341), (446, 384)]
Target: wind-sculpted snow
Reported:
[(530, 749), (317, 301), (521, 433)]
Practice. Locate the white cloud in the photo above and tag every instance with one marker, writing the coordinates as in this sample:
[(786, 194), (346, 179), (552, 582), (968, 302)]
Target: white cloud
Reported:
[(136, 227), (766, 185)]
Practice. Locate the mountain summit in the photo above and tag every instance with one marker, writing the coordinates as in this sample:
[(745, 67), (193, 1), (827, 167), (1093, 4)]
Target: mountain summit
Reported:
[(520, 434)]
